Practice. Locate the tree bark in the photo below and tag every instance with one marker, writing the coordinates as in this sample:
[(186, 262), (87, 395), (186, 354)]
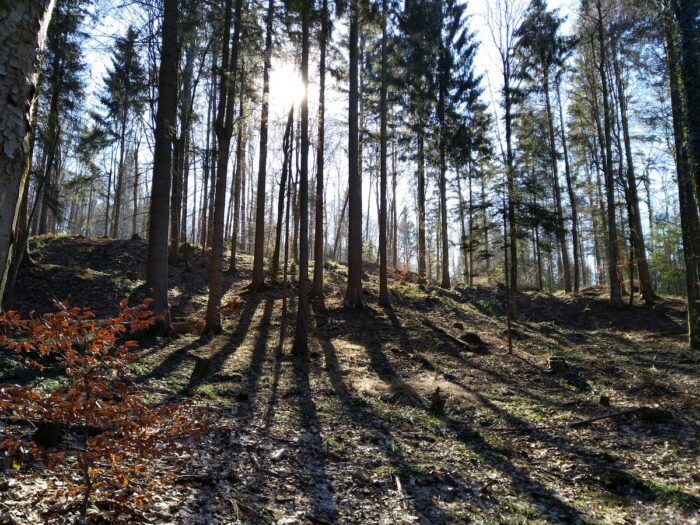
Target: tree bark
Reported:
[(572, 195), (23, 26), (383, 277), (635, 218), (561, 226), (319, 233), (286, 166), (166, 118), (615, 288), (259, 249), (353, 296), (687, 13), (224, 132), (690, 222), (301, 335)]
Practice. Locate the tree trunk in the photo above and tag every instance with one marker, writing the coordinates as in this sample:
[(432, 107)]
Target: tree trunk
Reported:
[(690, 222), (383, 277), (394, 219), (135, 188), (422, 266), (615, 288), (635, 219), (687, 13), (259, 249), (319, 233), (238, 181), (572, 195), (301, 336), (286, 167), (353, 296), (166, 115), (341, 219), (116, 219), (561, 226), (224, 132)]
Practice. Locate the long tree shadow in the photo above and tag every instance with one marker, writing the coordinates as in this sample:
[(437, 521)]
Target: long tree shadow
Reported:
[(257, 361), (363, 415), (535, 491), (276, 375), (322, 505), (599, 463), (233, 343)]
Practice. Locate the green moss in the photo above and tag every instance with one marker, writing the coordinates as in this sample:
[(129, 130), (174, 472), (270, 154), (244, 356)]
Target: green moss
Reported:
[(333, 443), (409, 416)]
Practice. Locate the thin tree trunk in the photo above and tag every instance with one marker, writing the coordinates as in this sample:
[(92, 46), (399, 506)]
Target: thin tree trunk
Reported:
[(341, 219), (301, 334), (238, 182), (635, 219), (690, 222), (394, 219), (286, 166), (116, 220), (561, 226), (383, 277), (422, 267), (224, 131), (572, 194), (615, 288), (259, 249), (317, 289), (134, 217)]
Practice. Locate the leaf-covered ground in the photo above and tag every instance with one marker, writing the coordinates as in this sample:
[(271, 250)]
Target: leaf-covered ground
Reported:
[(391, 420)]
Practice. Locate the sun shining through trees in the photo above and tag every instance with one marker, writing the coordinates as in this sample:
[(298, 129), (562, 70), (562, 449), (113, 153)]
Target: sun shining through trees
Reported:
[(286, 87)]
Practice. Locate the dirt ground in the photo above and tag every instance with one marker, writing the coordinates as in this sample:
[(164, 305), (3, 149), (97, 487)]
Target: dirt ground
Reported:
[(391, 419)]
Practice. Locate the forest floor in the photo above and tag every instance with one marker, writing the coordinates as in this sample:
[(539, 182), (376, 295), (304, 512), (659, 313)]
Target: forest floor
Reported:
[(391, 419)]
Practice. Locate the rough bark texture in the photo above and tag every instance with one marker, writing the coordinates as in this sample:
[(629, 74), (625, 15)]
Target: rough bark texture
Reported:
[(157, 269), (422, 266), (572, 195), (23, 25)]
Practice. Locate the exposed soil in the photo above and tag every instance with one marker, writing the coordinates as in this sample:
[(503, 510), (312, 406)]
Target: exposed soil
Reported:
[(388, 419)]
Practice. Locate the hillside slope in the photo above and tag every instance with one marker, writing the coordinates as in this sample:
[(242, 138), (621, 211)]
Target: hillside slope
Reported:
[(409, 414)]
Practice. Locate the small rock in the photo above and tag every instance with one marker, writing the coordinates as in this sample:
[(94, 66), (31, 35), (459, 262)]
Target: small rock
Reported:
[(605, 401), (279, 454)]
